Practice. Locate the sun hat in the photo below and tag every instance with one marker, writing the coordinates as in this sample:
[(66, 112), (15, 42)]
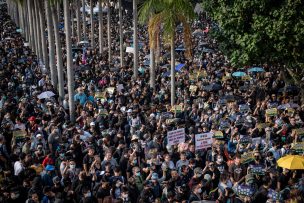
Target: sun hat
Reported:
[(49, 168)]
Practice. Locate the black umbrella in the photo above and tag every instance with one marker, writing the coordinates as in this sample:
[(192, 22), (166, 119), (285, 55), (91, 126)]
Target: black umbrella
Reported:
[(212, 87)]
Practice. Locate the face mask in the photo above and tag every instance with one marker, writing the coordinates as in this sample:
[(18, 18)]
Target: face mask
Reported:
[(135, 162), (117, 185), (72, 166), (138, 174), (199, 191), (220, 160), (89, 194), (199, 175)]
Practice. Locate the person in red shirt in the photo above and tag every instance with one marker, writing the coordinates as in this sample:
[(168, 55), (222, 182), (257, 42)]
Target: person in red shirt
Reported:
[(48, 160)]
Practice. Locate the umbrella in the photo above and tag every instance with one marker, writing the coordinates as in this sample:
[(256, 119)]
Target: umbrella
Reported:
[(212, 87), (292, 162), (179, 67), (180, 48), (147, 63), (256, 69), (290, 89), (198, 32), (239, 74), (45, 95)]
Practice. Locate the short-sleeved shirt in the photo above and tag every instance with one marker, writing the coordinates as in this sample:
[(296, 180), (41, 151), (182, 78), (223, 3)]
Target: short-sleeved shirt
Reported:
[(237, 172)]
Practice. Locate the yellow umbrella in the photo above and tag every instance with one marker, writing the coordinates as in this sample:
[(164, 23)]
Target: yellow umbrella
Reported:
[(292, 162)]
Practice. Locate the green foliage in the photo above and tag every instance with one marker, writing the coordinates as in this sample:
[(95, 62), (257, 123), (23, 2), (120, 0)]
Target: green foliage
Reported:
[(259, 31)]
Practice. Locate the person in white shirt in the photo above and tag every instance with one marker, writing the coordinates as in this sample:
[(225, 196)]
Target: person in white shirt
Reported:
[(84, 135), (19, 125), (18, 165)]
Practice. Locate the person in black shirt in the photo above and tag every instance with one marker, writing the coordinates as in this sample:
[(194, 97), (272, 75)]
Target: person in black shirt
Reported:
[(283, 179), (261, 195)]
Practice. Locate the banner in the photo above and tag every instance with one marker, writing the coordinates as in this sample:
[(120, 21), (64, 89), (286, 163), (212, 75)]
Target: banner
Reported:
[(244, 190), (300, 131), (176, 136), (246, 158), (203, 141), (271, 112), (257, 169), (245, 140), (177, 108)]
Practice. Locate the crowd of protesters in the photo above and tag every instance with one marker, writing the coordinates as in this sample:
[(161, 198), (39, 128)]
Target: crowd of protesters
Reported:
[(117, 151)]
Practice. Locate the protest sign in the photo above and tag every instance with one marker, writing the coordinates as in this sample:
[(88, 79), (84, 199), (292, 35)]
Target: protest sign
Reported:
[(300, 131), (130, 49), (245, 139), (19, 139), (99, 94), (298, 147), (166, 115), (193, 88), (257, 169), (247, 157), (203, 141), (177, 108), (271, 112), (110, 90), (256, 141), (176, 136), (274, 195), (244, 190), (218, 135), (103, 112)]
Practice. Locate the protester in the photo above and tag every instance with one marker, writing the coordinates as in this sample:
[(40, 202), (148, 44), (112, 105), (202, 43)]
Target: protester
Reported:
[(118, 150)]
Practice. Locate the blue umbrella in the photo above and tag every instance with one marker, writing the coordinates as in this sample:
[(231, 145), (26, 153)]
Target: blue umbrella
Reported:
[(147, 63), (256, 69), (179, 67), (239, 74)]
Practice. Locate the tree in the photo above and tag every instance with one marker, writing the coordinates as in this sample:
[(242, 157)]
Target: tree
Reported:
[(100, 27), (135, 39), (257, 32), (70, 70), (172, 14), (120, 34), (58, 52), (92, 23), (78, 31), (109, 32), (50, 43), (146, 13)]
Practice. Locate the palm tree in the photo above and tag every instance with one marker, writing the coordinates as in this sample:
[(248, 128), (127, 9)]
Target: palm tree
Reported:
[(37, 31), (146, 12), (42, 34), (84, 21), (58, 52), (109, 32), (51, 43), (173, 13), (100, 27), (78, 20), (92, 23), (120, 34), (135, 39), (70, 71)]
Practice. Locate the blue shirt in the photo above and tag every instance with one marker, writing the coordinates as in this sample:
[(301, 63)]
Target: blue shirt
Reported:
[(82, 98)]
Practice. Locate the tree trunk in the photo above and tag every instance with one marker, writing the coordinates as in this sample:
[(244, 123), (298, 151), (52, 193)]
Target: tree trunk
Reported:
[(135, 40), (58, 54), (152, 69), (31, 22), (78, 21), (42, 33), (71, 10), (70, 71), (172, 71), (100, 27), (26, 25), (92, 24), (121, 35), (51, 44), (84, 21), (58, 10), (38, 35), (109, 33)]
